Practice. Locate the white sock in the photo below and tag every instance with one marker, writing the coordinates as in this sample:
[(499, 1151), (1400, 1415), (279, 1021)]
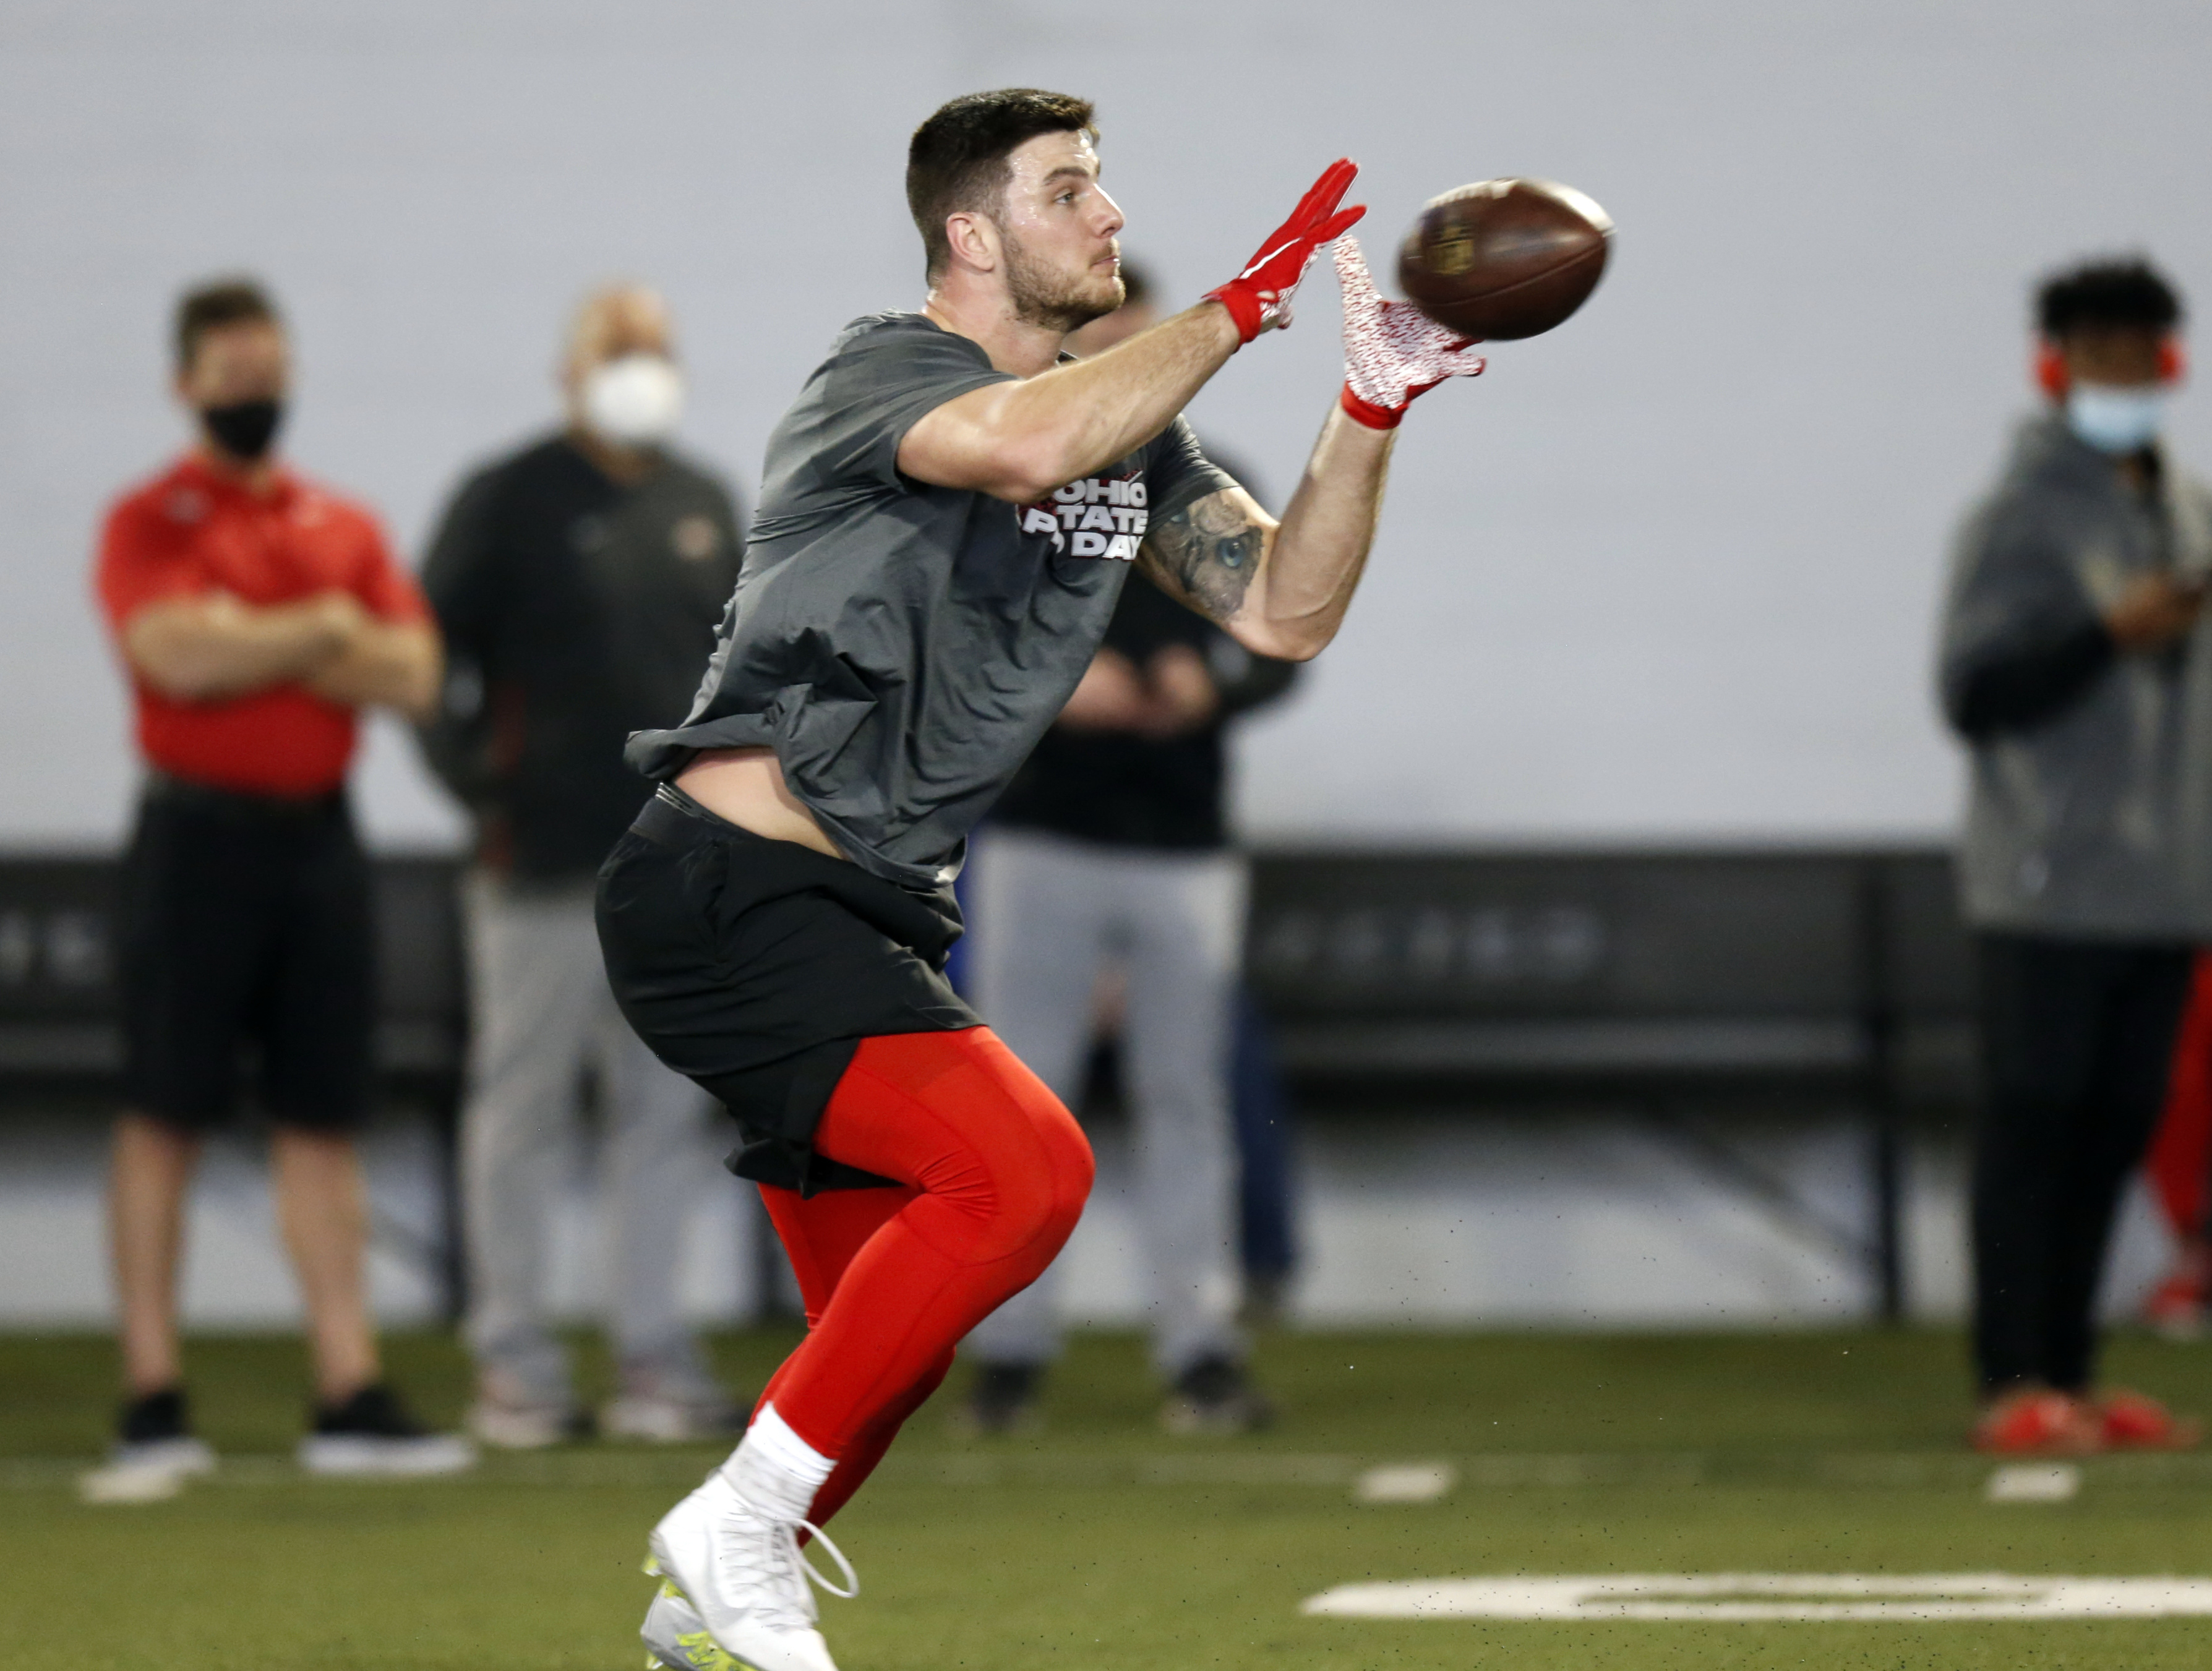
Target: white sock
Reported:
[(775, 1462)]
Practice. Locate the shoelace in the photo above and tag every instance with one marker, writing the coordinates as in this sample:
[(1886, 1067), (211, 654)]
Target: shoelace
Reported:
[(785, 1572), (821, 1537)]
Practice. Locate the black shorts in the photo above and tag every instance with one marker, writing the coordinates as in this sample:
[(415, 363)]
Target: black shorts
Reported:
[(756, 967), (247, 941)]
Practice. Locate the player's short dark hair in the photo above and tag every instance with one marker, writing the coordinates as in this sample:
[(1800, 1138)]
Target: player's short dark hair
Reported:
[(210, 307), (2125, 293), (957, 159)]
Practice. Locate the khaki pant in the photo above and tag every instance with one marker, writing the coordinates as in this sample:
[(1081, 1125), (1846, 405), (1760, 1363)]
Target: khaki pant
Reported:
[(1049, 913), (541, 1013)]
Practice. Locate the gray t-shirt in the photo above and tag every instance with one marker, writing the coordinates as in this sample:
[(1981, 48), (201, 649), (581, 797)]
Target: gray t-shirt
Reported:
[(903, 646)]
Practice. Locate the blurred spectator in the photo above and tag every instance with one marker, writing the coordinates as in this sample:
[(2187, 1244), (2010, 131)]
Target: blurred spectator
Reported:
[(578, 582), (1110, 851), (256, 613), (2075, 665)]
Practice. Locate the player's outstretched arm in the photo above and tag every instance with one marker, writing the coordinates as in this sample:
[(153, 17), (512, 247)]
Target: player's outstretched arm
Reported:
[(1282, 591), (1279, 590), (1018, 441)]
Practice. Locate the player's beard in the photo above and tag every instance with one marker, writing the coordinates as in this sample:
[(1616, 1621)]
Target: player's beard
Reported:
[(1043, 296)]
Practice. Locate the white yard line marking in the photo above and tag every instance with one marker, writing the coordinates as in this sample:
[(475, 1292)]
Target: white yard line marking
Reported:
[(1015, 1465), (1762, 1597), (2034, 1482), (1405, 1482), (121, 1482)]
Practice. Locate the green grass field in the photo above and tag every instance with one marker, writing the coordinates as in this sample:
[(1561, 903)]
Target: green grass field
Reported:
[(1099, 1542)]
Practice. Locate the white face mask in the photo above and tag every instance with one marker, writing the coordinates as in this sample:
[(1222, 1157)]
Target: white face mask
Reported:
[(634, 401), (2116, 418)]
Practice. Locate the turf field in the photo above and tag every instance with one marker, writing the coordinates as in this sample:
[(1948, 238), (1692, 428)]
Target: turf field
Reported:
[(1099, 1542)]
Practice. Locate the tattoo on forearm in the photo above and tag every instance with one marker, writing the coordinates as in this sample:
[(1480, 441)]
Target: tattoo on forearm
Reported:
[(1210, 550)]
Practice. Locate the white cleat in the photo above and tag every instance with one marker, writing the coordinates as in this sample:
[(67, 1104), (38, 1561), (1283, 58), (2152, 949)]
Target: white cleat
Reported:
[(677, 1639), (738, 1569)]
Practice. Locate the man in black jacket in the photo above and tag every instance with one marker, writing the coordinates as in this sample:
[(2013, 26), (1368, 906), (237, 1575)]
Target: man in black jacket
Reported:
[(578, 582)]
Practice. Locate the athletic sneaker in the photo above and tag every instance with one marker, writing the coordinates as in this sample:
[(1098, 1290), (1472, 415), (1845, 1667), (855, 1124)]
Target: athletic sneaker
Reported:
[(676, 1405), (2135, 1421), (154, 1435), (2037, 1422), (508, 1414), (1215, 1395), (372, 1433), (733, 1555), (526, 1426), (1004, 1399)]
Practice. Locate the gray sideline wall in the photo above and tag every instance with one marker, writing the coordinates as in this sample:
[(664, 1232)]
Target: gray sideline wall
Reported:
[(1667, 574)]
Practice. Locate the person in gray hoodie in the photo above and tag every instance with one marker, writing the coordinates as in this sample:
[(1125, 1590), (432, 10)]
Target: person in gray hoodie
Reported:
[(2077, 668)]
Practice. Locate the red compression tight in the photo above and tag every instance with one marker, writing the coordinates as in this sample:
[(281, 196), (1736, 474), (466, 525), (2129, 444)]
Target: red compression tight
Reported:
[(993, 1174)]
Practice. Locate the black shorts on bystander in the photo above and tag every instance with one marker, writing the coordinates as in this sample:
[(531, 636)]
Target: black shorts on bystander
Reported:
[(246, 935)]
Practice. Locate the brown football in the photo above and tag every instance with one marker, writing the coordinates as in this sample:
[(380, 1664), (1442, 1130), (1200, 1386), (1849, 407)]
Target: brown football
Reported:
[(1505, 258)]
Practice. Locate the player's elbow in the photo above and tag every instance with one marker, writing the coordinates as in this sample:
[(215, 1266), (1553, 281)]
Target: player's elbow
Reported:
[(1280, 641), (990, 442), (1031, 455), (1016, 470), (1028, 468)]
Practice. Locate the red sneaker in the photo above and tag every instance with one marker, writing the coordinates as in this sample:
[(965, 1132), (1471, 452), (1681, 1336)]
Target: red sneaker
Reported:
[(2134, 1421), (2037, 1422)]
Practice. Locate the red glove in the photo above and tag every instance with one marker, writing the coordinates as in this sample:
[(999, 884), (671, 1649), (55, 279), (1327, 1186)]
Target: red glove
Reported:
[(1259, 298), (1392, 350)]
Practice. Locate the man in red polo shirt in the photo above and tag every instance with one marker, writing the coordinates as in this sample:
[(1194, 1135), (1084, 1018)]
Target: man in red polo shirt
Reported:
[(257, 614)]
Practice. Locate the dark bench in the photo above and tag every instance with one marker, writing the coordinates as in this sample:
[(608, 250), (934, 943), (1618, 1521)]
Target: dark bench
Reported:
[(1665, 979), (1672, 981)]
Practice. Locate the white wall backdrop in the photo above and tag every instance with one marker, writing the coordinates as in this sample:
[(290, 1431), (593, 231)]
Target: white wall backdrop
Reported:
[(1668, 574)]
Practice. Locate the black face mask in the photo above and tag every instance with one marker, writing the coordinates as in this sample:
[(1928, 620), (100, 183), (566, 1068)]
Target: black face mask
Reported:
[(245, 428)]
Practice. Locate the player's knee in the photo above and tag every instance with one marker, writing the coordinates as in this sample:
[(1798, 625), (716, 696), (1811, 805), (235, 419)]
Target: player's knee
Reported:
[(1073, 1168), (1037, 1190), (1061, 1184)]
